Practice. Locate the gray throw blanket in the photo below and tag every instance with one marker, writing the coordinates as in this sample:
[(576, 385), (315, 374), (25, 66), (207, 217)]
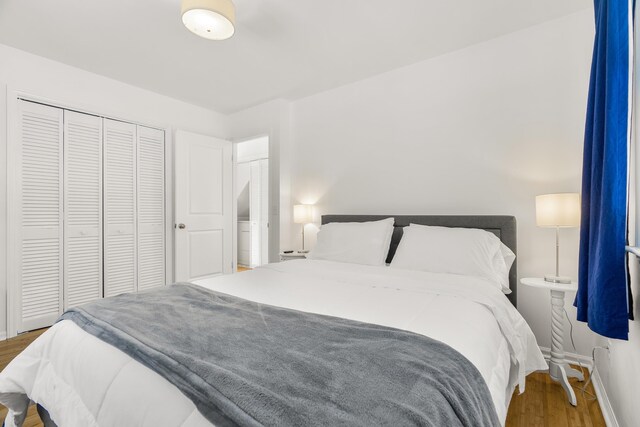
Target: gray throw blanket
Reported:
[(245, 363)]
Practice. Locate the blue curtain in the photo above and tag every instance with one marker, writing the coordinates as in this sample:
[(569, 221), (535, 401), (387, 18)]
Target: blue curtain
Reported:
[(604, 299)]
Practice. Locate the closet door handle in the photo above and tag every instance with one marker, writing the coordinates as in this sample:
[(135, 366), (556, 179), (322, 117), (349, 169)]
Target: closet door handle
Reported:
[(182, 226)]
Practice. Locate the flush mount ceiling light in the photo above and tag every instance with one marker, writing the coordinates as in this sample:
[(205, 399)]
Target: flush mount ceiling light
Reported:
[(211, 19)]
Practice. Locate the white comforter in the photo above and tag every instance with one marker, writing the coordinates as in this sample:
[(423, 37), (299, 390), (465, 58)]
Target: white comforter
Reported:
[(83, 381)]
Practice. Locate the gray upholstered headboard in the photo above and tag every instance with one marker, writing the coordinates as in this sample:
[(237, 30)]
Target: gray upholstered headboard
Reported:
[(502, 226)]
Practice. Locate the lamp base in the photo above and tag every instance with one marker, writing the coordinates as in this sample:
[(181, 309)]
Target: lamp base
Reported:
[(557, 279)]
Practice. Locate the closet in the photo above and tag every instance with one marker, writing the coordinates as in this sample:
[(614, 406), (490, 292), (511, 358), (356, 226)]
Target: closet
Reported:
[(88, 210)]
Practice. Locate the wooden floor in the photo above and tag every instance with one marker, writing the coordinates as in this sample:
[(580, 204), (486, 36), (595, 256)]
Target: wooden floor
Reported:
[(8, 350), (544, 404), (241, 269)]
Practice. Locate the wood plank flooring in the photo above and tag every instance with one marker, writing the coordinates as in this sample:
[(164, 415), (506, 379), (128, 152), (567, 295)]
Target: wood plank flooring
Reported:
[(10, 349), (544, 404)]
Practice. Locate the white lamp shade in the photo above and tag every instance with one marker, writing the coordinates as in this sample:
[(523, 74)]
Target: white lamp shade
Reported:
[(558, 210), (211, 19), (303, 214)]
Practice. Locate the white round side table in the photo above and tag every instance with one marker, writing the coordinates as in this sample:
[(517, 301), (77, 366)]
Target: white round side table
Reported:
[(559, 369)]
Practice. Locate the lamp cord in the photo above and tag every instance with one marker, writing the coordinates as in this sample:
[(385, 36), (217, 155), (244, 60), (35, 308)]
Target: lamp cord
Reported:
[(583, 389)]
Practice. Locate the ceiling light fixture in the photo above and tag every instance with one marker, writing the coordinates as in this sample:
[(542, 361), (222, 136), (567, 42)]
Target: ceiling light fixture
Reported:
[(211, 19)]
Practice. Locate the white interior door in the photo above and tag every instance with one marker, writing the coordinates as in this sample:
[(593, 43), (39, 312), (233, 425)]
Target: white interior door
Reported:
[(119, 208), (204, 196), (256, 212), (36, 223), (259, 212), (264, 211), (82, 208), (151, 208)]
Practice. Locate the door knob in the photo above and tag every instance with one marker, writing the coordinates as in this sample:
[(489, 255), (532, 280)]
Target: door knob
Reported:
[(182, 226)]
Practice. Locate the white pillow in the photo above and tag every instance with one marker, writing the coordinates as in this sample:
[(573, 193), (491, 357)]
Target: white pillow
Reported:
[(354, 242), (502, 262), (465, 251)]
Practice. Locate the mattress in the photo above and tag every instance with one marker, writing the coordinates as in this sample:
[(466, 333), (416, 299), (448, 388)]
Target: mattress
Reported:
[(83, 381)]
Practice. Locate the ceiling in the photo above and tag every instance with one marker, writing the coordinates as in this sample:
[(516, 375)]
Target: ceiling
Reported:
[(281, 48)]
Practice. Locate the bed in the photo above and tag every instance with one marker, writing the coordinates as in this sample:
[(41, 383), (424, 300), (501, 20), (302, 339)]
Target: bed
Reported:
[(82, 380)]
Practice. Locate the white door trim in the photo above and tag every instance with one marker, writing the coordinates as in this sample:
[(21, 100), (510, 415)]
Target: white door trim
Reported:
[(12, 198)]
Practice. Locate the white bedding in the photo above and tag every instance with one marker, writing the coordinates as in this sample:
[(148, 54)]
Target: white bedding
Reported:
[(83, 381)]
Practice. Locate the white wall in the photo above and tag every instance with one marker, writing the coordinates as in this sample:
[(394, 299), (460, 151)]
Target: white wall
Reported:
[(252, 149), (482, 130), (619, 368), (71, 87)]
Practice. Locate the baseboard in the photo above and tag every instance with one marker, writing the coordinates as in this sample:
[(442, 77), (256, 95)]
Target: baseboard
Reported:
[(603, 400), (3, 335), (601, 393), (573, 358)]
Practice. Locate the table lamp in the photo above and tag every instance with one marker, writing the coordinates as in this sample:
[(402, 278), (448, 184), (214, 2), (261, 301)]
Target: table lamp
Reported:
[(303, 214), (560, 210)]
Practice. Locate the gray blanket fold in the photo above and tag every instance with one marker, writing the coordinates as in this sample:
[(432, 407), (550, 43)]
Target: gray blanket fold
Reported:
[(245, 363)]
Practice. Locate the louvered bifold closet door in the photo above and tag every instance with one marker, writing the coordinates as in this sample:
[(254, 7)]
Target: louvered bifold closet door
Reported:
[(82, 208), (151, 208), (37, 228), (119, 207)]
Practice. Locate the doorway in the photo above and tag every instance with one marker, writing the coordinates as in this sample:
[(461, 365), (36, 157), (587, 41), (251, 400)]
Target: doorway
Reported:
[(252, 202)]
